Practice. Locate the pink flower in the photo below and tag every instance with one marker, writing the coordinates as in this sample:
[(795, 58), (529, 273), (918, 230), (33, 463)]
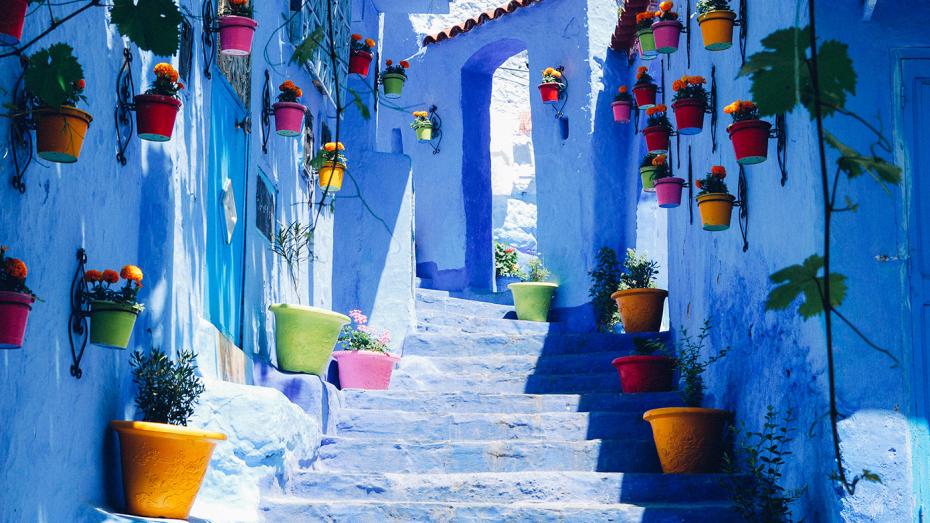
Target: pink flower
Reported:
[(362, 328), (385, 338), (358, 317)]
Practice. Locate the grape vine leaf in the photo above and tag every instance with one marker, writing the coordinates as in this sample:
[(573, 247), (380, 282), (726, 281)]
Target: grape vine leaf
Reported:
[(51, 74), (805, 280), (855, 164), (153, 25), (360, 104), (304, 51)]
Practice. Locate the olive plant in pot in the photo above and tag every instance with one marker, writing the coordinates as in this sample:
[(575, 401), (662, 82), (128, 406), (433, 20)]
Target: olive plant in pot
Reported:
[(749, 134), (666, 29), (288, 111), (506, 268), (113, 308), (667, 187), (15, 301), (716, 20), (645, 88), (715, 203), (647, 43), (533, 297), (658, 130), (647, 169), (163, 460), (640, 304), (364, 361), (393, 78), (622, 105), (360, 55), (552, 85), (237, 28), (689, 103), (157, 109), (605, 279), (422, 125), (649, 370)]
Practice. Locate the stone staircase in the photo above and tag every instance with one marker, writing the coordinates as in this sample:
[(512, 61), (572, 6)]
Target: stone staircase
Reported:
[(493, 419)]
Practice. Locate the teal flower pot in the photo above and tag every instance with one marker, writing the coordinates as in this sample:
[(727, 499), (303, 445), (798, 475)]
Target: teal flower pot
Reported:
[(305, 337), (533, 299)]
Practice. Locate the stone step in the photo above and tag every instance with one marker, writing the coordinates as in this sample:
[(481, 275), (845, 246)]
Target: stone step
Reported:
[(431, 321), (416, 379), (509, 364), (440, 301), (465, 344), (396, 424), (357, 455)]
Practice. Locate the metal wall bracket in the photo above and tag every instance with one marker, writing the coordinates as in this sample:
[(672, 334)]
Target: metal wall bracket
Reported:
[(742, 202), (743, 23), (267, 111), (125, 105), (437, 129), (208, 36), (21, 128), (78, 327), (690, 188), (712, 108), (563, 94), (780, 133)]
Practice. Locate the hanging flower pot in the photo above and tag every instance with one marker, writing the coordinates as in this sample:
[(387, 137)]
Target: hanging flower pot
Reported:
[(60, 125), (157, 109), (364, 362), (647, 45), (641, 309), (750, 136), (715, 203), (288, 112), (645, 94), (334, 166), (647, 174), (305, 337), (60, 133), (645, 373), (11, 21), (622, 105), (422, 125), (689, 103), (113, 311), (668, 191), (551, 87), (393, 78), (657, 138), (666, 29), (15, 301), (717, 29), (236, 35), (361, 54), (689, 440), (533, 299)]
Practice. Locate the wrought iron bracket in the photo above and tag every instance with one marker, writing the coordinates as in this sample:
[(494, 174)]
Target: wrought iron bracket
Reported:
[(690, 186), (742, 202), (20, 130), (208, 32), (434, 118), (743, 23), (563, 94), (78, 326), (267, 111), (687, 32), (125, 105), (712, 109), (780, 134)]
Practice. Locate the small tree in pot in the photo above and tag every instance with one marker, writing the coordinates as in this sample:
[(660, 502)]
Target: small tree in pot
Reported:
[(364, 361), (533, 297), (639, 302)]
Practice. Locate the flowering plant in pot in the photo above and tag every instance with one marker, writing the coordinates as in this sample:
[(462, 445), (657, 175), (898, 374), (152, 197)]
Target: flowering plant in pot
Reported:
[(364, 361), (393, 78), (331, 163), (506, 268), (360, 55), (689, 103), (552, 85), (639, 302), (666, 29), (716, 20), (667, 187), (749, 134), (622, 105), (113, 308), (649, 370), (645, 88), (715, 202), (690, 439), (56, 79), (533, 296), (647, 43), (288, 111), (647, 169), (658, 130), (11, 23), (157, 109), (422, 125), (237, 28), (163, 460), (15, 301)]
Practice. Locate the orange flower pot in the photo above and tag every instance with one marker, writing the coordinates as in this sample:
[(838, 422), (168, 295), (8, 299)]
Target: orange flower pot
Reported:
[(331, 175), (689, 440), (641, 309), (716, 210), (717, 29), (60, 133)]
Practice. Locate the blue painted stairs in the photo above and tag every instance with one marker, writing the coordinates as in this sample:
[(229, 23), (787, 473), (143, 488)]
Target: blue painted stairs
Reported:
[(494, 419)]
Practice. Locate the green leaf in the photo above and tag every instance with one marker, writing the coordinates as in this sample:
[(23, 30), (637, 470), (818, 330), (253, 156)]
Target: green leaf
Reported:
[(837, 77), (868, 475), (804, 280), (51, 74), (855, 164), (150, 24), (360, 104), (304, 51)]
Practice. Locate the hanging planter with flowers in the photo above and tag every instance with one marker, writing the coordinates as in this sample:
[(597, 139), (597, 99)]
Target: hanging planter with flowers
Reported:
[(393, 78), (422, 125), (157, 109), (749, 134), (11, 22), (237, 28), (645, 88), (666, 29), (360, 55), (364, 361), (689, 103), (658, 129), (714, 200), (622, 105), (667, 187), (716, 20), (15, 301), (646, 171), (113, 310), (288, 111), (647, 43), (552, 85), (332, 165)]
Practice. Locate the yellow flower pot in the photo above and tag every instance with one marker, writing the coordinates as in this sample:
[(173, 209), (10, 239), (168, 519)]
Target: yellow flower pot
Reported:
[(717, 29), (331, 176), (689, 440), (716, 209)]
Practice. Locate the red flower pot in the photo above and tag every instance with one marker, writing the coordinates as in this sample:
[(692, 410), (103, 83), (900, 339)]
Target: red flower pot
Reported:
[(14, 313), (657, 139), (689, 115), (645, 373), (236, 34), (666, 35), (668, 191), (288, 118), (645, 95), (155, 115), (361, 369), (359, 62), (11, 20), (622, 111), (550, 92), (750, 140)]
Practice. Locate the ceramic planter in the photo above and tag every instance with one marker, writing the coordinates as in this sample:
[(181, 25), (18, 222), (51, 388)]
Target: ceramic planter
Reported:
[(657, 139), (111, 323), (288, 118), (360, 369), (163, 466), (14, 314), (359, 62), (622, 111), (393, 84), (689, 440), (645, 373), (532, 299), (716, 209), (501, 282), (424, 133), (155, 116), (331, 175), (645, 95), (750, 140), (305, 337), (689, 115), (60, 133), (646, 174), (11, 22), (236, 34), (647, 44), (666, 35), (550, 92), (717, 29), (668, 191), (640, 309)]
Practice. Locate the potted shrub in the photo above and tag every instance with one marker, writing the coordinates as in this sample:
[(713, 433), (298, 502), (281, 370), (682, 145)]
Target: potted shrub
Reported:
[(639, 302), (622, 105), (667, 187), (533, 297), (716, 20), (689, 103), (422, 125), (288, 111), (690, 439), (646, 171), (658, 130), (11, 23), (605, 279), (56, 79), (714, 200), (645, 88), (364, 361), (157, 109), (647, 43), (332, 163), (506, 268), (15, 301), (749, 134), (113, 310), (163, 460), (649, 370), (666, 29), (552, 85), (360, 55), (237, 28), (393, 78)]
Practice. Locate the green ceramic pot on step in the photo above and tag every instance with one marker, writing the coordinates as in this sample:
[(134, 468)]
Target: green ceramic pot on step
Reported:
[(305, 337), (111, 323), (533, 299)]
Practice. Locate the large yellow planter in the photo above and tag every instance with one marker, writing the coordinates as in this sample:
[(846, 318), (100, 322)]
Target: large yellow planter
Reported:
[(716, 210), (60, 133), (163, 466), (331, 176), (640, 309), (689, 440), (717, 29)]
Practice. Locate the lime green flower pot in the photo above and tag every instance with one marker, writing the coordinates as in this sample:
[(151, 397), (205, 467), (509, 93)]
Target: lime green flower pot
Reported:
[(111, 323), (393, 84), (533, 299), (305, 337), (425, 133)]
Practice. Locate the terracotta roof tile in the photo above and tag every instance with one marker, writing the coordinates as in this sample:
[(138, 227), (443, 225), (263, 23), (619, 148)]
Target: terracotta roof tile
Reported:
[(475, 21), (625, 33)]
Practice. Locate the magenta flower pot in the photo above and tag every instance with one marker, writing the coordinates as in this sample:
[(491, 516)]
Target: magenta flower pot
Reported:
[(288, 118), (666, 35), (668, 191), (236, 33), (14, 313), (360, 369), (621, 111)]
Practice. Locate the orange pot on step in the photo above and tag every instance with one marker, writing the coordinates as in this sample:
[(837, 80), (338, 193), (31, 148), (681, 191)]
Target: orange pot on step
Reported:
[(689, 440), (641, 309)]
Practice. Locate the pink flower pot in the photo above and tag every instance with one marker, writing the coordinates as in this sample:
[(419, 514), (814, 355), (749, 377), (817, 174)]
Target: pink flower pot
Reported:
[(621, 111), (14, 313), (236, 33), (288, 118), (359, 369), (668, 191), (666, 35)]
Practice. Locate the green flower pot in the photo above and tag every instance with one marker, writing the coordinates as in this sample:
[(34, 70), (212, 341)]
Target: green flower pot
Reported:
[(393, 84), (305, 337), (533, 299), (647, 41), (649, 185), (425, 133), (111, 323)]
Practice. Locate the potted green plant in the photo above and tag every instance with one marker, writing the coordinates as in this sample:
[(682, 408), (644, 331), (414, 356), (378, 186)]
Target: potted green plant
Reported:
[(645, 88), (689, 103), (716, 20), (364, 361), (533, 297), (666, 29), (715, 202), (605, 279), (647, 169), (422, 125), (157, 109), (113, 308), (647, 43), (649, 370), (640, 304), (506, 268), (163, 460), (15, 301), (393, 78), (666, 186), (622, 105), (658, 130), (237, 28), (552, 85)]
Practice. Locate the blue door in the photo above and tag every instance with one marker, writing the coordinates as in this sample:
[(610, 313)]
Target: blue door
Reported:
[(226, 213)]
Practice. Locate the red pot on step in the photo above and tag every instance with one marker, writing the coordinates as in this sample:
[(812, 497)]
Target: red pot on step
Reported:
[(639, 373), (14, 313), (668, 191), (11, 21), (645, 95), (750, 140), (155, 116), (362, 369), (689, 115), (621, 111), (550, 92), (657, 139), (359, 62)]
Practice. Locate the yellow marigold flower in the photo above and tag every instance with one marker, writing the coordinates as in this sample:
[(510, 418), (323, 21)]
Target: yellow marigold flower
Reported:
[(332, 146), (132, 273), (369, 42), (110, 276), (93, 276), (557, 74), (16, 269)]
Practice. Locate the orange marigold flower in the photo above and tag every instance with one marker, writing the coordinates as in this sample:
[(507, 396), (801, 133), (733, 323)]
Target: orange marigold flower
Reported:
[(357, 37), (718, 169), (16, 268), (300, 92), (699, 184), (641, 69), (93, 276), (110, 276), (658, 160), (389, 62), (132, 273), (332, 146), (677, 85), (666, 6), (405, 64), (696, 80), (369, 42), (238, 2), (623, 89), (660, 108), (180, 86)]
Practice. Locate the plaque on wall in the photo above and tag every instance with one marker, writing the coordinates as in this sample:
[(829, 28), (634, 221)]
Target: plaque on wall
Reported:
[(264, 206)]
